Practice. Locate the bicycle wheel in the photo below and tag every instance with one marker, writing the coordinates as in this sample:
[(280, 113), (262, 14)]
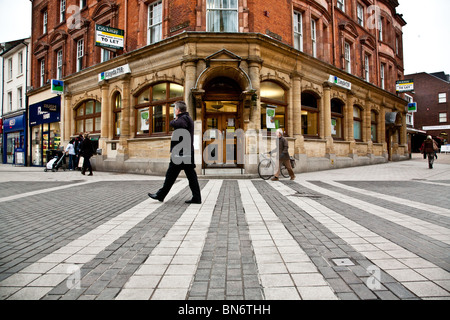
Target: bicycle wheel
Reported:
[(265, 169)]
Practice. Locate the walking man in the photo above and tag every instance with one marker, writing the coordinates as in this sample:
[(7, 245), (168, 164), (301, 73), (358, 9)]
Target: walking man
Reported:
[(182, 157)]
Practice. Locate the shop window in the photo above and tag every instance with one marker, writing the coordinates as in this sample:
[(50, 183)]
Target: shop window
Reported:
[(357, 123), (310, 115), (374, 126), (222, 15), (273, 106), (117, 114), (154, 108), (337, 119), (88, 117)]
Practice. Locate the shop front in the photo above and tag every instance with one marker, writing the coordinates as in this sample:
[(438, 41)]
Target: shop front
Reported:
[(13, 137), (44, 122)]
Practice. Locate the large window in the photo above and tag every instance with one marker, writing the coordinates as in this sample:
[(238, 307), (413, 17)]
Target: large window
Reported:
[(357, 123), (310, 115), (222, 15), (374, 126), (62, 10), (298, 31), (341, 4), (360, 14), (117, 114), (348, 57), (314, 37), (154, 108), (367, 68), (59, 64), (44, 21), (154, 32), (88, 117), (273, 106), (42, 72), (337, 119), (80, 54)]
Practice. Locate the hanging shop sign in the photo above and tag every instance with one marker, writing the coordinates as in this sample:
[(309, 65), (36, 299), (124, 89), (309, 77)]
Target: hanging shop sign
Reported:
[(113, 73), (340, 82), (47, 111), (412, 107), (108, 37), (404, 85), (57, 86)]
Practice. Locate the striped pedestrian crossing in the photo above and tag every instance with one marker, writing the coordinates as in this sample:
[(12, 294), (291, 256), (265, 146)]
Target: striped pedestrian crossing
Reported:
[(264, 240)]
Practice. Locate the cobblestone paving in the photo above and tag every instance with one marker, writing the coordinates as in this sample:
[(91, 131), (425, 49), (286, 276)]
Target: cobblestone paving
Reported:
[(103, 239)]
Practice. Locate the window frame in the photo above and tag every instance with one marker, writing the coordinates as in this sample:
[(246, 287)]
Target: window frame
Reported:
[(275, 102), (59, 64), (62, 11), (358, 120), (154, 26), (360, 14), (85, 117), (383, 76), (314, 38), (443, 117), (298, 35), (442, 97), (311, 110), (45, 21), (42, 72), (19, 98), (167, 103), (117, 112), (340, 4), (367, 67), (10, 68), (20, 63), (340, 117), (211, 11), (348, 57), (79, 54), (374, 126)]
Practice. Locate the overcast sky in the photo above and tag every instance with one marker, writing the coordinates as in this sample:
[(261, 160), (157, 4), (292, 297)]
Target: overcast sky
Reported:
[(426, 41)]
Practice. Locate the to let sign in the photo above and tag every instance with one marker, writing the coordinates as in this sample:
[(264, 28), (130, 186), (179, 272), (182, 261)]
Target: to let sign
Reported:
[(404, 85), (108, 37)]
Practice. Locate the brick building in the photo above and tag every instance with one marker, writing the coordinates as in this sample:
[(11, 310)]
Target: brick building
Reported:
[(324, 71), (431, 93)]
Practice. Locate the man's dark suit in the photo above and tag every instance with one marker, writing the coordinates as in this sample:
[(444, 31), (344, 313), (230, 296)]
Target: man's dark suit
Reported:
[(183, 121)]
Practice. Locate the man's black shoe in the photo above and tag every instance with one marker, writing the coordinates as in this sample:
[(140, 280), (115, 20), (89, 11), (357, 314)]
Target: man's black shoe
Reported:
[(194, 201), (155, 197)]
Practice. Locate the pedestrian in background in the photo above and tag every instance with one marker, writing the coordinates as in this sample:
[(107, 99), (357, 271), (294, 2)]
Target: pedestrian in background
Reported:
[(71, 150), (182, 121), (283, 156), (86, 151)]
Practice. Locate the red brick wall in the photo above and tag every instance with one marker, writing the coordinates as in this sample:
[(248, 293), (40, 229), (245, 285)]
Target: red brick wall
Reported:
[(273, 18)]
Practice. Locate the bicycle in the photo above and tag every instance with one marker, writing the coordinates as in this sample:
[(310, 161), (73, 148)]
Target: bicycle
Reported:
[(266, 167)]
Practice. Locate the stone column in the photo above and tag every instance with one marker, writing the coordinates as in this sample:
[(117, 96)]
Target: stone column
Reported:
[(190, 79), (125, 121), (254, 74), (296, 119), (68, 117), (326, 116), (349, 116), (106, 110)]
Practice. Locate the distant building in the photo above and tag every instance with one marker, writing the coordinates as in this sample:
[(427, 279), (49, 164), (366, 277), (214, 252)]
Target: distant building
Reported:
[(324, 71), (432, 94), (15, 80)]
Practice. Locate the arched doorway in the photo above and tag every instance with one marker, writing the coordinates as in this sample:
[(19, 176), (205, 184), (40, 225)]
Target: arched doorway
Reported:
[(222, 115)]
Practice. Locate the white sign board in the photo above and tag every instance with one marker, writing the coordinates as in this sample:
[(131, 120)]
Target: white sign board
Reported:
[(404, 85), (436, 128), (340, 82), (114, 72)]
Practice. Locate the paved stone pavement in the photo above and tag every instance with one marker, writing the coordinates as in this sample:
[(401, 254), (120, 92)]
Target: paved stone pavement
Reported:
[(376, 232)]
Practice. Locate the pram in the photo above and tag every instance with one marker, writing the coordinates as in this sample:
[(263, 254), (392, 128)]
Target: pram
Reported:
[(56, 162)]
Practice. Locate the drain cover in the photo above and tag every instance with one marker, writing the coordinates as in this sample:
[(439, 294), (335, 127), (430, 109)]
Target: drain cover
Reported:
[(343, 262)]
